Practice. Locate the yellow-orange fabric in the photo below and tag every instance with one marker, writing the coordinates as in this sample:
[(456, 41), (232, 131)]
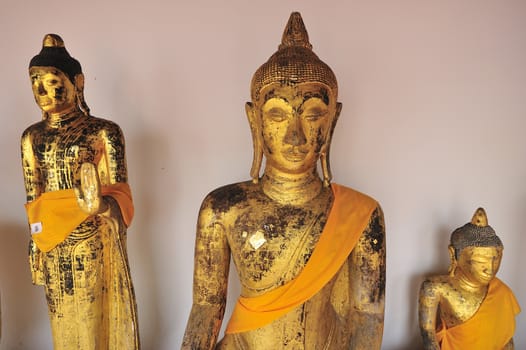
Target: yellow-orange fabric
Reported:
[(490, 328), (57, 213), (121, 192), (348, 218)]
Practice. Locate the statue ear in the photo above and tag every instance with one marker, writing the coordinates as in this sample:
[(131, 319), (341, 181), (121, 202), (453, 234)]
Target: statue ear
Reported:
[(325, 150), (257, 140), (453, 261), (79, 89), (79, 81), (338, 111)]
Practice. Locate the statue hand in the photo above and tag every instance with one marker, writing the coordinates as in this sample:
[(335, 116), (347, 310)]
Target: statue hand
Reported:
[(35, 264), (88, 191)]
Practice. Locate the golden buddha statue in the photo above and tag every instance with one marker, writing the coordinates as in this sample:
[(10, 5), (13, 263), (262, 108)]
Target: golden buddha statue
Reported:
[(470, 308), (79, 206), (310, 255)]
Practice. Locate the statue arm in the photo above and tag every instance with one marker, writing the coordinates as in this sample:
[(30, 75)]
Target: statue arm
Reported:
[(32, 182), (211, 266), (112, 166), (428, 302), (110, 169), (367, 279), (29, 166)]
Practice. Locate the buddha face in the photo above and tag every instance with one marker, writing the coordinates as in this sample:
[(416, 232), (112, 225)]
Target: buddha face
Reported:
[(53, 91), (480, 264), (295, 124)]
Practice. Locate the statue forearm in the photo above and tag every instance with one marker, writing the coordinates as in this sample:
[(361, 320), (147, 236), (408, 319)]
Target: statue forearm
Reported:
[(367, 276), (367, 330), (429, 339), (203, 327)]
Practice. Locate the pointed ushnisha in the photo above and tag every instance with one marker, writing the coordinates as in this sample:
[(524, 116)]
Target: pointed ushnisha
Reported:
[(294, 62), (295, 33), (53, 40), (480, 218)]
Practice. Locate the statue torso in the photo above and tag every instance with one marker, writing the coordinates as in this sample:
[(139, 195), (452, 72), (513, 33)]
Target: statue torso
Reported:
[(58, 151), (270, 244), (456, 306)]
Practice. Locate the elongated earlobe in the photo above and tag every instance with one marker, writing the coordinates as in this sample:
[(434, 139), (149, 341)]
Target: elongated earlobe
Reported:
[(256, 140), (79, 89), (326, 167), (326, 148), (453, 259)]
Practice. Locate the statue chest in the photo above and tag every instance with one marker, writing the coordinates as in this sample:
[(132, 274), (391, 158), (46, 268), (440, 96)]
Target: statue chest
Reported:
[(271, 246), (59, 153), (457, 307)]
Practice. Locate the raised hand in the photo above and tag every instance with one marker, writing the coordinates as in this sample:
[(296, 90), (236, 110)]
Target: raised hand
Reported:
[(88, 190)]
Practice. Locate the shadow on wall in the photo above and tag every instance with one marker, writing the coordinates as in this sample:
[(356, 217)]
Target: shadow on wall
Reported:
[(24, 308)]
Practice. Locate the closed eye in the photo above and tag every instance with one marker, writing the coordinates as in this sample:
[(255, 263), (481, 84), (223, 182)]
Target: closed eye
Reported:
[(314, 114), (276, 114)]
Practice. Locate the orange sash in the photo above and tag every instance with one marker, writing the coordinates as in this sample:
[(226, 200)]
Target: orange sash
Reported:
[(490, 328), (348, 218), (54, 215)]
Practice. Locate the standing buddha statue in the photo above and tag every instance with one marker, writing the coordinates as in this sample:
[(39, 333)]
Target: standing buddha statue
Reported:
[(310, 255), (79, 206), (470, 308)]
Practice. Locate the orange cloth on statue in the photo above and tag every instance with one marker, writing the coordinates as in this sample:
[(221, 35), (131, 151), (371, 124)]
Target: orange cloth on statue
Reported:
[(348, 218), (54, 215), (490, 328)]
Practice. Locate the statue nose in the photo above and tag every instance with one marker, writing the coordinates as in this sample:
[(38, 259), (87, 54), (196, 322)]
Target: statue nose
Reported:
[(40, 89), (295, 135)]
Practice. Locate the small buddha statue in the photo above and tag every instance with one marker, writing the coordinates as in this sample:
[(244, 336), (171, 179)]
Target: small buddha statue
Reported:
[(470, 308), (310, 255), (79, 206)]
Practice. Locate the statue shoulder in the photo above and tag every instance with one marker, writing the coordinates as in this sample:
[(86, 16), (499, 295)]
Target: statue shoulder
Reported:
[(31, 130), (436, 285), (105, 125), (223, 199)]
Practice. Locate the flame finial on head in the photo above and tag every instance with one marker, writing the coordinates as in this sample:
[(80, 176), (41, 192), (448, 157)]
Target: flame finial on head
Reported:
[(52, 40), (295, 33), (480, 218)]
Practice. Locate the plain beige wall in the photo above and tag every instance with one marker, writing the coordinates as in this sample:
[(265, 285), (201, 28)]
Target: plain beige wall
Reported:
[(433, 124)]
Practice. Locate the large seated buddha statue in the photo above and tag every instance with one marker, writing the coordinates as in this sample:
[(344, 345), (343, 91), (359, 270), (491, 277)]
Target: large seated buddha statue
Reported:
[(79, 206), (470, 308), (309, 255)]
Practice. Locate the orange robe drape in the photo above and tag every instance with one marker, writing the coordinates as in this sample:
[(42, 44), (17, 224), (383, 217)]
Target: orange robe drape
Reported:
[(490, 328), (348, 218), (54, 215)]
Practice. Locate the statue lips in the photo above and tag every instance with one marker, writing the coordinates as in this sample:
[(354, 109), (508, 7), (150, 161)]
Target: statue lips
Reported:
[(485, 277), (43, 101), (295, 154)]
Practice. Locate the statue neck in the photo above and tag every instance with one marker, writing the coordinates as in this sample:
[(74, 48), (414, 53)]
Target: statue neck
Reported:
[(466, 285), (57, 120), (294, 189)]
